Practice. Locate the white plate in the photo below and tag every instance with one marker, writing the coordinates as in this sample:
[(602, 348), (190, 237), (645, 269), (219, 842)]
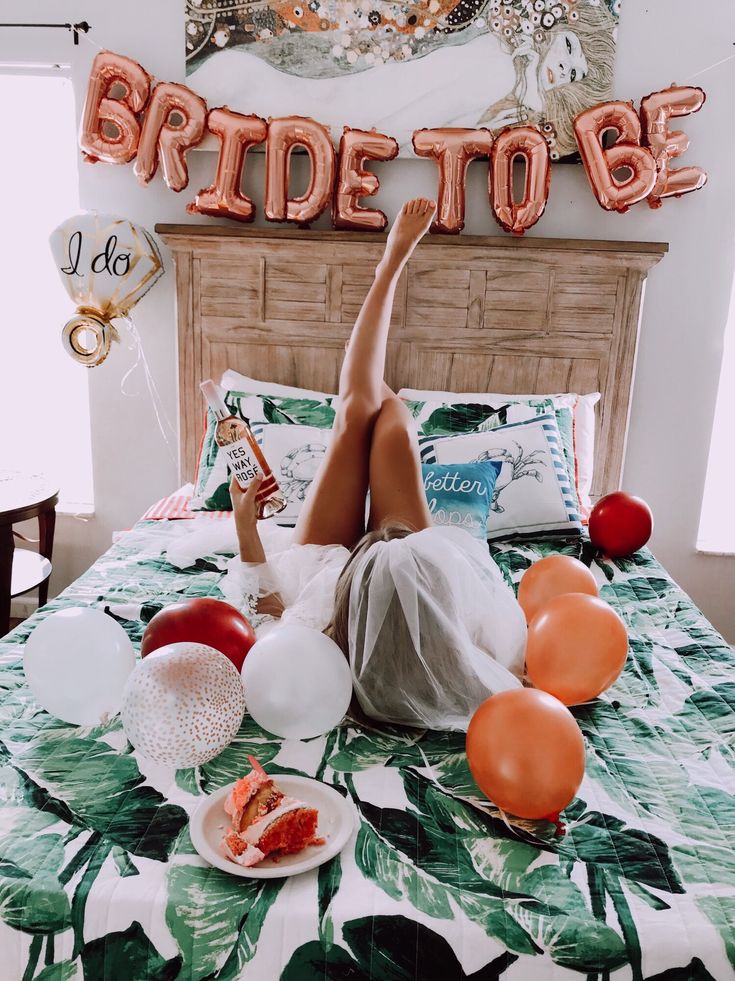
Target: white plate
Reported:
[(337, 821)]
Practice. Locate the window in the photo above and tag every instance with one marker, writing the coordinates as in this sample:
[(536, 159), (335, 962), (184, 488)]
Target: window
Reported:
[(717, 524), (44, 397)]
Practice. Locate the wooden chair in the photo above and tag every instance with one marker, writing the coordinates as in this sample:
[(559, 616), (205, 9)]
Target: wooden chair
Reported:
[(22, 569)]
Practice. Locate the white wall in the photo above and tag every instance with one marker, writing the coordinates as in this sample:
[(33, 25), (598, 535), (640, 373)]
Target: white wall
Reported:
[(686, 306)]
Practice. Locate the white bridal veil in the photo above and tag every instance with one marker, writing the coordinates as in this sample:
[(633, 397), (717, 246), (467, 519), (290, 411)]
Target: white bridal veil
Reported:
[(434, 629)]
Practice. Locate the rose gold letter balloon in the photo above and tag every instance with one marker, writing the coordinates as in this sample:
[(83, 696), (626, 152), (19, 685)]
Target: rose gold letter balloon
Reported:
[(354, 182), (550, 577), (167, 139), (577, 646), (283, 135), (110, 130), (526, 753), (526, 142), (453, 149), (656, 111), (236, 134), (627, 153)]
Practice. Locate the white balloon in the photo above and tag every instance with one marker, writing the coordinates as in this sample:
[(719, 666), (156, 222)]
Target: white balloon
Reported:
[(297, 682), (183, 704), (76, 663)]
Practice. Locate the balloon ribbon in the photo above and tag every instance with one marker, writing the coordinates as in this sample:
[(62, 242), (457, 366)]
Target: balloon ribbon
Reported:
[(555, 819)]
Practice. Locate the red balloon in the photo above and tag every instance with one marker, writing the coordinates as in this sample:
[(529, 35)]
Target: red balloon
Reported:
[(620, 524), (202, 621)]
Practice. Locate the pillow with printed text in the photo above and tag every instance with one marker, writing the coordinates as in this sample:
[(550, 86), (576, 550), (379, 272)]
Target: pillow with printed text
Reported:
[(533, 496), (460, 495), (575, 416)]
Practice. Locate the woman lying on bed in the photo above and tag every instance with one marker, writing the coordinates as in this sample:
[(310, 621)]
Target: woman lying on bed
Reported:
[(429, 625)]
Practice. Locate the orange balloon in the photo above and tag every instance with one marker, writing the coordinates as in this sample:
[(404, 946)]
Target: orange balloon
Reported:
[(551, 577), (526, 752), (577, 646)]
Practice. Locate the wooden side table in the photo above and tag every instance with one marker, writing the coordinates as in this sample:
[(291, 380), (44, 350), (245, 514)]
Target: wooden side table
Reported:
[(24, 496)]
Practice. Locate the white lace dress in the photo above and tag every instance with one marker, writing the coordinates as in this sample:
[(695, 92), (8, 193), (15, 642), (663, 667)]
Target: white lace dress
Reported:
[(305, 576), (434, 628)]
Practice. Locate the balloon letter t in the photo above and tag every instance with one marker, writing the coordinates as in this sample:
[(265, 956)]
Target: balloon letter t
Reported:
[(453, 149)]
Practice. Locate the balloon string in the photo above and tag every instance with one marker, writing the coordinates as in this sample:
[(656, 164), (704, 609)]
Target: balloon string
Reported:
[(88, 40), (156, 400), (722, 61), (517, 832)]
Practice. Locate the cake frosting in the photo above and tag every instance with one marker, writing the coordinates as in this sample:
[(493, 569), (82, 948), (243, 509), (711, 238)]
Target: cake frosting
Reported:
[(264, 821)]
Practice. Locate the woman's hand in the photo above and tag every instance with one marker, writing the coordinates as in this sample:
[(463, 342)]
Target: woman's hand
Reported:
[(245, 511)]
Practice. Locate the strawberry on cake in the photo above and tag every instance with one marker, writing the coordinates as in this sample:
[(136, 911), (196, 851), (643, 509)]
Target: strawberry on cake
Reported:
[(265, 821)]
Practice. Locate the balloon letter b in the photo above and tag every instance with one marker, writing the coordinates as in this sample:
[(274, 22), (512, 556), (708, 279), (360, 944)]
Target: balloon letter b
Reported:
[(283, 135), (453, 149), (656, 111), (110, 130), (170, 140), (236, 134), (354, 182), (526, 142), (627, 153)]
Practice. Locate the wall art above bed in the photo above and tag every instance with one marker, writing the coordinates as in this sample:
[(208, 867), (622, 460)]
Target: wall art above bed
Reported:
[(127, 117), (396, 65)]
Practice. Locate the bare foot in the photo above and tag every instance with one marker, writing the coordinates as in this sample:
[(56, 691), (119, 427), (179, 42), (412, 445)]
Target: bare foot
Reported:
[(408, 229)]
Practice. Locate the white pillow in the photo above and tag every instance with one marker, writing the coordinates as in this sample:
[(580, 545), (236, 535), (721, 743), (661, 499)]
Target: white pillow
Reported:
[(233, 381), (583, 407), (533, 497), (294, 454)]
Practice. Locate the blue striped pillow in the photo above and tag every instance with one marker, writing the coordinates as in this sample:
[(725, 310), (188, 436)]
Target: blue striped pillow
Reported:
[(533, 496)]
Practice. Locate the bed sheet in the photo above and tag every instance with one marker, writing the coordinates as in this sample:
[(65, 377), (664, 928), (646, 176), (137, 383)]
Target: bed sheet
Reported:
[(98, 877)]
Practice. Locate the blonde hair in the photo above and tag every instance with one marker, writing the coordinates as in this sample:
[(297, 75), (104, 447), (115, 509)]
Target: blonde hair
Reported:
[(561, 104), (338, 628)]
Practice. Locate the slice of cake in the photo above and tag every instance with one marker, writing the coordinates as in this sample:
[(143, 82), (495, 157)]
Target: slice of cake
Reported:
[(265, 821)]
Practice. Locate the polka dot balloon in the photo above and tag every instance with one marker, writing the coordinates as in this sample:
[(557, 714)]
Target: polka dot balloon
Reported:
[(183, 704)]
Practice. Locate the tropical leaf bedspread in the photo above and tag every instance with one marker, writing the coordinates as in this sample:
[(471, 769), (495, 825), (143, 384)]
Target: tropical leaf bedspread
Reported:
[(99, 880)]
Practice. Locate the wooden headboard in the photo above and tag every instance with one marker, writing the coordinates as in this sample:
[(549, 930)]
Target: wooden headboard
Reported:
[(476, 314)]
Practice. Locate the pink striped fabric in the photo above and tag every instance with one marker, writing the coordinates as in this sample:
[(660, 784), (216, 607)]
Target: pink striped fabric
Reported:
[(176, 507)]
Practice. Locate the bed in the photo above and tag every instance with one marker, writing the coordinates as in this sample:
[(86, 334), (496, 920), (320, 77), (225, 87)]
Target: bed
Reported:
[(98, 877)]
